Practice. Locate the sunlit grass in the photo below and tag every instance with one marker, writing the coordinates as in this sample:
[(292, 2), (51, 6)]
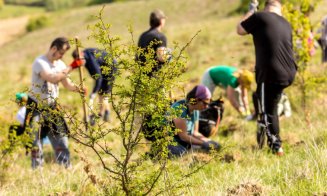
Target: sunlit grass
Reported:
[(302, 171), (9, 11)]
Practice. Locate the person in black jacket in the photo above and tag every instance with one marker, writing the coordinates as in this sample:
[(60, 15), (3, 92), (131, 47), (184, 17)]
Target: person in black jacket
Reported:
[(96, 63), (275, 66)]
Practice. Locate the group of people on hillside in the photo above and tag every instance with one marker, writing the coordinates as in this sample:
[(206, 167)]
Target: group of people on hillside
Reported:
[(275, 70)]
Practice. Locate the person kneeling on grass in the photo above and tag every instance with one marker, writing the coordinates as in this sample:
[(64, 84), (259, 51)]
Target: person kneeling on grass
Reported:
[(188, 123)]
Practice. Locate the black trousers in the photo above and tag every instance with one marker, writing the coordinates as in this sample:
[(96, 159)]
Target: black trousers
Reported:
[(268, 97)]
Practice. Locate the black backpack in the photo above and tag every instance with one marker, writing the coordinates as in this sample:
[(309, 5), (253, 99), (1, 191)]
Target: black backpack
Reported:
[(211, 117)]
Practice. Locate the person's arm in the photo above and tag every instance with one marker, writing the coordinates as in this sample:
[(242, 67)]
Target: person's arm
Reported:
[(253, 6), (240, 29), (55, 77), (196, 133), (163, 54), (180, 124), (162, 51), (231, 97), (245, 100), (68, 84)]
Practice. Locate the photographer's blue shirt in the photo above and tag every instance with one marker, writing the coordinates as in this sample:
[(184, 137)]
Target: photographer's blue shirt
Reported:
[(183, 112)]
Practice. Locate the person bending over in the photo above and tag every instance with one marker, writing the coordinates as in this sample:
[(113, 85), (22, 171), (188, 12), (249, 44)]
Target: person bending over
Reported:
[(234, 81)]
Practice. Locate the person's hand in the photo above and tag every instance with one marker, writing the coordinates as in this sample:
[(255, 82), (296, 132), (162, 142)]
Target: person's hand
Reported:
[(253, 5), (250, 117), (210, 145), (76, 63), (85, 91), (168, 54)]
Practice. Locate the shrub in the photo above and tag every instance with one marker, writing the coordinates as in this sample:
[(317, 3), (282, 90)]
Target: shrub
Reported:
[(53, 5), (94, 2), (130, 170), (25, 2), (244, 5), (37, 23)]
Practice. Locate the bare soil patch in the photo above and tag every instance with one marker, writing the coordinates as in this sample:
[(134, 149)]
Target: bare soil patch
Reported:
[(11, 28)]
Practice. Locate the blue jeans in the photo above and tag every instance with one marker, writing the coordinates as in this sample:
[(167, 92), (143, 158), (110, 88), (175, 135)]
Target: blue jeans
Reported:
[(57, 136), (60, 146)]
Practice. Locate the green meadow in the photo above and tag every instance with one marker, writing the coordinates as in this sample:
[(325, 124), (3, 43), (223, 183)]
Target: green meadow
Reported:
[(239, 169)]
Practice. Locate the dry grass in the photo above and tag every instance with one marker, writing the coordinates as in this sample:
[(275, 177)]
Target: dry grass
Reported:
[(240, 169)]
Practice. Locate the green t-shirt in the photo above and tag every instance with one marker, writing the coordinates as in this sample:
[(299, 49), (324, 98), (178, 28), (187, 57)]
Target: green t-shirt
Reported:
[(222, 75)]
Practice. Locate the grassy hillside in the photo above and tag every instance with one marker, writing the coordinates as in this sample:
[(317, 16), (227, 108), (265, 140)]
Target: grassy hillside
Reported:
[(302, 171)]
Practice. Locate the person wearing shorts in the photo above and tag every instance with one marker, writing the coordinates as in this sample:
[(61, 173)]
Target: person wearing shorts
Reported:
[(96, 63)]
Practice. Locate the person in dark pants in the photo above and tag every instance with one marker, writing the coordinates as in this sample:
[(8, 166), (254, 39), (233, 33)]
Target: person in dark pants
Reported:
[(153, 43), (96, 64), (275, 65)]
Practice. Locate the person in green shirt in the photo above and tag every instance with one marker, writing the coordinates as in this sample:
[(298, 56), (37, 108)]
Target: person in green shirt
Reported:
[(236, 83)]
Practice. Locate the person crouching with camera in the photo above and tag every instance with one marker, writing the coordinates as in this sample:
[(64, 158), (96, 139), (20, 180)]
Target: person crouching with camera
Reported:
[(187, 122)]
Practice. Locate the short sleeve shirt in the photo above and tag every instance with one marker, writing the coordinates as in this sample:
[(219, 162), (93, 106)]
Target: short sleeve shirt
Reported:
[(42, 90), (150, 41), (191, 119), (223, 76), (272, 37)]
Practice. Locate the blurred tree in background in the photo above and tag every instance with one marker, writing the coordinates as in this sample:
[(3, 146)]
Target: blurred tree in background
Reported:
[(53, 5), (244, 5), (297, 13)]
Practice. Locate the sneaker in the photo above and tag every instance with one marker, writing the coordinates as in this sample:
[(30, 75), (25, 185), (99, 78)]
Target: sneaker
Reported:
[(279, 151)]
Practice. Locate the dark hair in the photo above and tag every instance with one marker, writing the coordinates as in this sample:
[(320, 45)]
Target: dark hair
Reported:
[(60, 42), (191, 96), (155, 18)]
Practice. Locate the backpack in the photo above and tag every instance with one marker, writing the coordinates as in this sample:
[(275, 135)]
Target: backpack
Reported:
[(210, 118)]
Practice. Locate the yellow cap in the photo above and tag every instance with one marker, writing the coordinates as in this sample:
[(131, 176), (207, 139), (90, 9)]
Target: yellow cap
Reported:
[(247, 78)]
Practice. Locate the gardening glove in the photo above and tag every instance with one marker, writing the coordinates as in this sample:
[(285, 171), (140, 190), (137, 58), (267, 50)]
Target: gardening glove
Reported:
[(253, 5), (76, 63), (210, 145)]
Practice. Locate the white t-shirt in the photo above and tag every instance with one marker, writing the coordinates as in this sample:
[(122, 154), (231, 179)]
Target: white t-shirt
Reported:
[(41, 90), (21, 115)]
